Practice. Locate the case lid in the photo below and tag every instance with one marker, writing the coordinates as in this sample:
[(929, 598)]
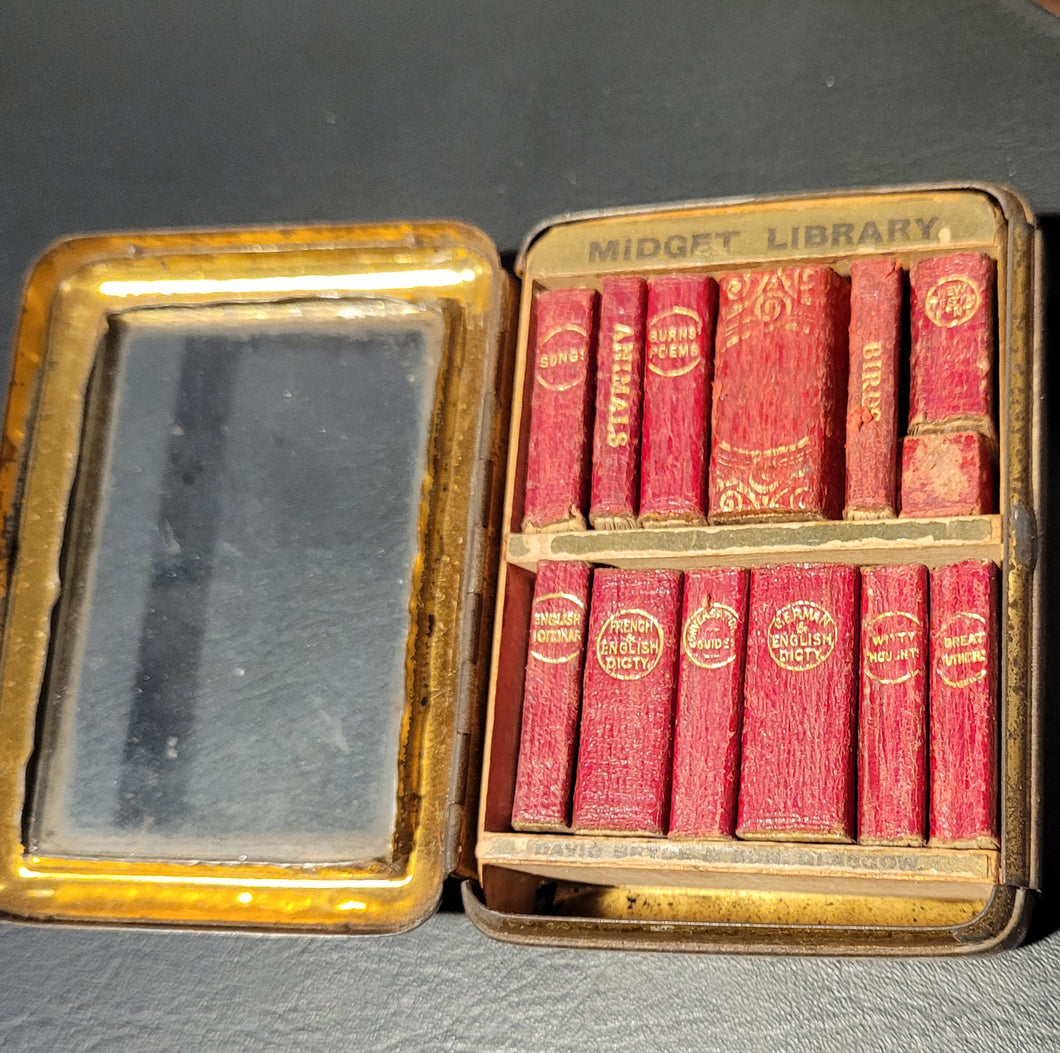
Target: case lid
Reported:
[(247, 482)]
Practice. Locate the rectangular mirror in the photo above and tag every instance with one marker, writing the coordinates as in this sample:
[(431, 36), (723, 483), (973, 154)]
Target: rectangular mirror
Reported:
[(230, 675)]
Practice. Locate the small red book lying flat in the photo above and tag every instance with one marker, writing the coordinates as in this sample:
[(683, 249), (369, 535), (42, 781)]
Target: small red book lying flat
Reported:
[(678, 368), (561, 400), (964, 711), (876, 292), (951, 373), (797, 774), (780, 376), (892, 717), (626, 747), (551, 697), (619, 381), (948, 474), (709, 703)]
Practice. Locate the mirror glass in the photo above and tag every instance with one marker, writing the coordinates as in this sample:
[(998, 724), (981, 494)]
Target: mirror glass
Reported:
[(235, 616)]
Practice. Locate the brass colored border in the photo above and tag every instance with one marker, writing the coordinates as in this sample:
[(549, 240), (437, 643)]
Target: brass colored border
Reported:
[(998, 923), (77, 292)]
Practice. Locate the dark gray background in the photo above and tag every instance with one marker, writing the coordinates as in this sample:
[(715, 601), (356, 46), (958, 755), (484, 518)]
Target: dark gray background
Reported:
[(121, 115)]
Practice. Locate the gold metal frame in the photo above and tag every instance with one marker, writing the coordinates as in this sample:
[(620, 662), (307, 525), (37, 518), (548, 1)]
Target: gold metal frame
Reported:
[(80, 290)]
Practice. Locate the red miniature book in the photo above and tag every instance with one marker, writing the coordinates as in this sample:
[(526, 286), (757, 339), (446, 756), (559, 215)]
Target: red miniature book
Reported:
[(626, 747), (552, 697), (876, 290), (780, 395), (709, 703), (948, 474), (797, 771), (963, 706), (679, 348), (619, 377), (951, 373), (558, 458), (892, 718)]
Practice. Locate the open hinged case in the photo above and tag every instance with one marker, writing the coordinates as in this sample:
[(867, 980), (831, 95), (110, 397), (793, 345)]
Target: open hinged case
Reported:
[(267, 598)]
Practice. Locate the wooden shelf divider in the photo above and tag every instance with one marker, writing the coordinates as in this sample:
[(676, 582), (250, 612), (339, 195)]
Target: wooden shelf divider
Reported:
[(933, 542), (943, 873)]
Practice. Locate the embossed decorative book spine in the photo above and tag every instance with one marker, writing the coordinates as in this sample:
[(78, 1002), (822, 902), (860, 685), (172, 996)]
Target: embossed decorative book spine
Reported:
[(948, 458), (552, 697), (963, 706), (559, 453), (797, 775), (677, 379), (619, 384), (626, 748), (876, 294), (780, 395), (892, 715), (709, 703)]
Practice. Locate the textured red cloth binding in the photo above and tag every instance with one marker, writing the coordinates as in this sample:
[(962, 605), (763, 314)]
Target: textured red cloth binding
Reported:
[(876, 290), (557, 467), (797, 771), (949, 474), (678, 366), (709, 703), (626, 747), (953, 318), (780, 375), (619, 381), (552, 697), (963, 706), (892, 718)]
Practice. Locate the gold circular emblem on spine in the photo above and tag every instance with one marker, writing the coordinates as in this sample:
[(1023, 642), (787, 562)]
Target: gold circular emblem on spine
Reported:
[(629, 644), (559, 357), (801, 636), (960, 650), (952, 301), (709, 639), (673, 342), (891, 648), (556, 628)]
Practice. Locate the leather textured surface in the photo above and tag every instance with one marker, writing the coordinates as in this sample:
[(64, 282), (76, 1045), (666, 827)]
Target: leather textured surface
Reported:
[(212, 112)]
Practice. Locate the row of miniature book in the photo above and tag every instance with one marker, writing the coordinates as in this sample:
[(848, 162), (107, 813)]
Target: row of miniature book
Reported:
[(772, 393), (806, 702)]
